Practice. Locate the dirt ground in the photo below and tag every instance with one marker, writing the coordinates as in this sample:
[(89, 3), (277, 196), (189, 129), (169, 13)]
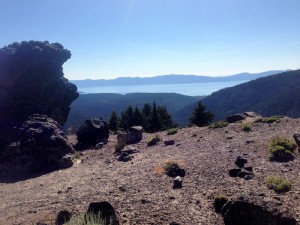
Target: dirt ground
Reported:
[(139, 190)]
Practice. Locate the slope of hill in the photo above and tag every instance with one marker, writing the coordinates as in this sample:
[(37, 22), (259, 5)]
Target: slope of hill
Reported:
[(101, 105), (170, 79), (140, 191), (277, 94)]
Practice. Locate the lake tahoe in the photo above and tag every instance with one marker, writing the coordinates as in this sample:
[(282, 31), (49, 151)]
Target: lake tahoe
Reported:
[(190, 89)]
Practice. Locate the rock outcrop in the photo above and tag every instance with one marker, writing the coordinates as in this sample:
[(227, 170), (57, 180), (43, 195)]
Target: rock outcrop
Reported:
[(254, 210), (42, 146), (32, 82), (35, 102), (92, 131)]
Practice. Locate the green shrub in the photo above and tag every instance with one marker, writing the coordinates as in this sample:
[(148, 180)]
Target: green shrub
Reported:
[(271, 119), (220, 201), (246, 127), (153, 140), (282, 148), (119, 146), (278, 184), (88, 219), (169, 165), (219, 124), (172, 131)]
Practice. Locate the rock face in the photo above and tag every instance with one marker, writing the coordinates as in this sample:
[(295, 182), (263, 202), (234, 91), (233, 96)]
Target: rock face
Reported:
[(31, 78), (253, 210), (32, 82), (133, 135), (93, 131), (42, 145)]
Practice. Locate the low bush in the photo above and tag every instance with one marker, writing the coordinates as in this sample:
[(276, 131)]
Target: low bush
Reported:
[(271, 119), (219, 124), (282, 148), (220, 201), (278, 184), (119, 146), (172, 131), (153, 140), (169, 165), (246, 127)]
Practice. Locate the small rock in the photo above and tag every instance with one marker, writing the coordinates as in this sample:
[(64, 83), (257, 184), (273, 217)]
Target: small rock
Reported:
[(169, 142), (234, 172), (125, 157), (240, 162), (296, 136), (62, 217), (177, 182), (99, 145), (174, 223)]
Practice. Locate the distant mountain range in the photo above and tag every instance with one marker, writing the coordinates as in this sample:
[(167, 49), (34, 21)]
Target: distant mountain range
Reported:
[(170, 79), (272, 95)]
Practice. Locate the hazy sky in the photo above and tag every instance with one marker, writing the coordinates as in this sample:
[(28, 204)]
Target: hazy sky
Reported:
[(113, 38)]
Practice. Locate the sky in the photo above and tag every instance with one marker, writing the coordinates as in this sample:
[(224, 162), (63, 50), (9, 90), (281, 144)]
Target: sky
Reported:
[(128, 38)]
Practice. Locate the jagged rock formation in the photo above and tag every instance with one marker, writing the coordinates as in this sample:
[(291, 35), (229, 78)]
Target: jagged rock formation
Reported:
[(32, 81), (42, 146)]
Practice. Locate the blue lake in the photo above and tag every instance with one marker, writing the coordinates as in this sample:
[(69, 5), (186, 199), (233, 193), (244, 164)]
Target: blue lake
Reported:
[(191, 89)]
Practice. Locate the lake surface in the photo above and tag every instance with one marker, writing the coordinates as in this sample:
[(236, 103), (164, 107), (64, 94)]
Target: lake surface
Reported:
[(191, 89)]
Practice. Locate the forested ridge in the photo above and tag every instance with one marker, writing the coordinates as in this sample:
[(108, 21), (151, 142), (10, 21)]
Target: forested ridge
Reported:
[(273, 95)]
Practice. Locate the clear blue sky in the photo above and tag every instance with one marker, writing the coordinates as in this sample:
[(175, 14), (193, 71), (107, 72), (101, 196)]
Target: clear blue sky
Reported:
[(114, 38)]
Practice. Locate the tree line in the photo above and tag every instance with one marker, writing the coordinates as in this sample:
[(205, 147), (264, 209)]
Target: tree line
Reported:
[(155, 118)]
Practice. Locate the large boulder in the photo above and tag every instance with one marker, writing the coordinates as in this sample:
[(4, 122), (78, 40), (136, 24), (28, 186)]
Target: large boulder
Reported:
[(92, 131), (42, 146), (254, 210), (132, 135), (32, 82)]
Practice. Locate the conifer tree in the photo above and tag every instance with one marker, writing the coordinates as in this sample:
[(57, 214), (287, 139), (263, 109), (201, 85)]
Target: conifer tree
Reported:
[(165, 118), (200, 117), (114, 120)]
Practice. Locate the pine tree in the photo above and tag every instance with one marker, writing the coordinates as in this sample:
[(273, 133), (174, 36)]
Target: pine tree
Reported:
[(138, 117), (114, 121), (154, 123), (165, 118), (200, 117), (127, 119)]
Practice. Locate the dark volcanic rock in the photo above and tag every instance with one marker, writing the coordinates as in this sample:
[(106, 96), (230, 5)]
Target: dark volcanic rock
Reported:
[(253, 210), (236, 117), (32, 81), (63, 217), (93, 131), (177, 182), (240, 161), (296, 137), (42, 145), (106, 210)]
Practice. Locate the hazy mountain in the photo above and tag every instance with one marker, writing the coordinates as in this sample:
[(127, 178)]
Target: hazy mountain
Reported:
[(273, 95), (170, 79)]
